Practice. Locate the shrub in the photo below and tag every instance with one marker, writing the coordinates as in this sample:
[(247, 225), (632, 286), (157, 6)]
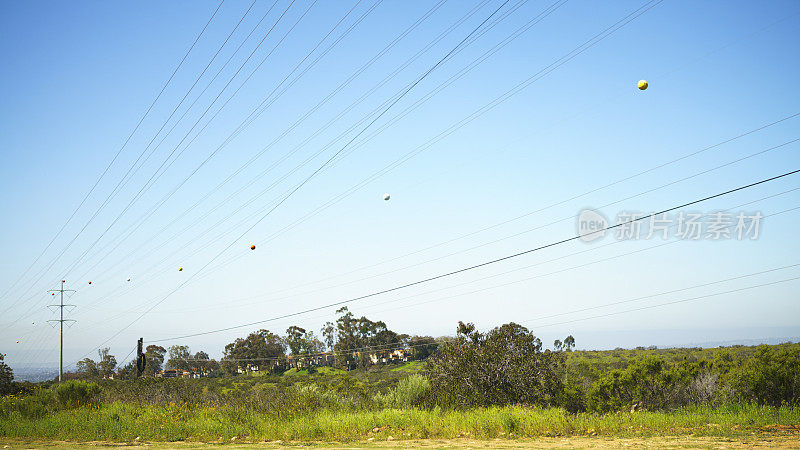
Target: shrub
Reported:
[(504, 366), (6, 377), (410, 392), (648, 383), (73, 393), (771, 377)]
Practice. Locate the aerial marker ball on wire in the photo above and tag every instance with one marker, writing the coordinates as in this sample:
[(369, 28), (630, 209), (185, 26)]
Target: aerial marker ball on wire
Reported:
[(642, 85), (252, 247), (180, 269), (129, 279), (386, 197), (90, 282)]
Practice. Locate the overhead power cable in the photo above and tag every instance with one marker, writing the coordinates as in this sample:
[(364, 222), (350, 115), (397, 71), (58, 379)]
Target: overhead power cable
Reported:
[(148, 183), (497, 101), (399, 346), (529, 24), (158, 171), (320, 168), (229, 304), (494, 261), (550, 206), (261, 152), (133, 169), (116, 155), (662, 186), (137, 223), (233, 304), (578, 196)]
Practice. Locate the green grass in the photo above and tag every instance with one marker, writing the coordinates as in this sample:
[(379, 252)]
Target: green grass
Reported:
[(410, 367), (124, 422), (318, 371)]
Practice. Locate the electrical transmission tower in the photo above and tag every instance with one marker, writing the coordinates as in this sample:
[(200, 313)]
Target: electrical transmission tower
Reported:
[(61, 321)]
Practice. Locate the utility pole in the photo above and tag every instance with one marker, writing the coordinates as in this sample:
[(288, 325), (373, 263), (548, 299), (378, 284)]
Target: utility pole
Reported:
[(61, 321)]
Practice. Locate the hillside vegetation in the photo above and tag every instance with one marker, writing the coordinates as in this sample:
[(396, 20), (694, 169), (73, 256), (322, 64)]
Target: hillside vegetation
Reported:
[(482, 385)]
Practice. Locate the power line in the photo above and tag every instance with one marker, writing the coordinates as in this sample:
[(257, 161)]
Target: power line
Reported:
[(508, 94), (311, 176), (125, 177), (607, 185), (532, 22), (594, 190), (602, 260), (232, 304), (148, 184), (124, 144), (393, 346), (156, 174), (549, 223), (263, 173), (516, 218), (134, 226), (490, 262)]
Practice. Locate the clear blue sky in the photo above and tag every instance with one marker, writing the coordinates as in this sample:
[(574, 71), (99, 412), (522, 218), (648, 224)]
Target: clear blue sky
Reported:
[(77, 77)]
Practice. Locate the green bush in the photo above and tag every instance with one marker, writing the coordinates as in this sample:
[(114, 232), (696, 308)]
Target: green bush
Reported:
[(505, 366), (409, 392), (648, 383), (771, 377), (35, 405), (74, 393)]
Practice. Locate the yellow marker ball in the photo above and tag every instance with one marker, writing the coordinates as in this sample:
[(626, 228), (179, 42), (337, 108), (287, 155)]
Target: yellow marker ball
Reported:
[(642, 85), (180, 269)]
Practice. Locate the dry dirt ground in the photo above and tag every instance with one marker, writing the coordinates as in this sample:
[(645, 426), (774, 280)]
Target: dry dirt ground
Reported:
[(771, 440)]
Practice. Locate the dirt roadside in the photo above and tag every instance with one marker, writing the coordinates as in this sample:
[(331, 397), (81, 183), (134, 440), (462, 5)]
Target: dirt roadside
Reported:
[(789, 440)]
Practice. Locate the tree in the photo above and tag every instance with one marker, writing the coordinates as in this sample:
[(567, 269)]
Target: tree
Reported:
[(329, 335), (6, 377), (569, 343), (261, 350), (127, 372), (294, 339), (155, 359), (422, 346), (558, 345), (178, 356), (302, 342), (87, 368), (504, 366), (357, 339), (311, 344), (107, 363), (201, 362)]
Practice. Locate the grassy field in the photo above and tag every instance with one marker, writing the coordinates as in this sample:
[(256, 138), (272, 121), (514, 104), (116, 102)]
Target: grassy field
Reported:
[(121, 422), (376, 406)]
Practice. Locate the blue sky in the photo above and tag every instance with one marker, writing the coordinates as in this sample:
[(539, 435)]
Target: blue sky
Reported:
[(78, 77)]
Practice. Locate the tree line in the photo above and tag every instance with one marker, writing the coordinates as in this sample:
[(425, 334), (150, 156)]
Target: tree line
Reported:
[(347, 342)]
